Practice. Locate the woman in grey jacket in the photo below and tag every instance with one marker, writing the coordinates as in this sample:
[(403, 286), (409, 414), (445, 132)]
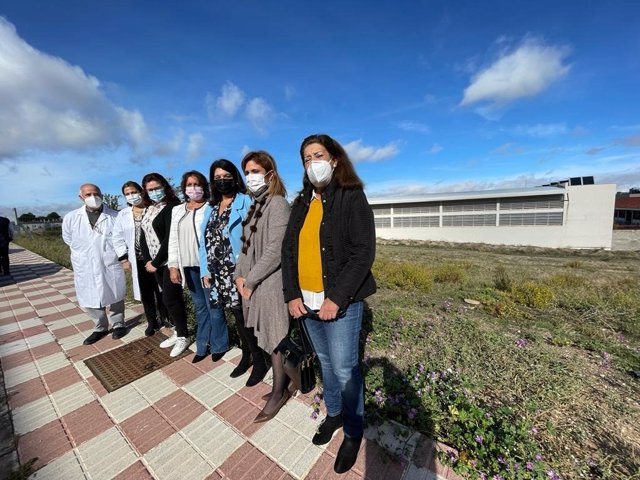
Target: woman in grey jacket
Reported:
[(258, 275)]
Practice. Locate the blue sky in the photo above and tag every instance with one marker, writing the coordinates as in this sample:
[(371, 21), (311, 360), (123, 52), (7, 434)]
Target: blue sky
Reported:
[(427, 96)]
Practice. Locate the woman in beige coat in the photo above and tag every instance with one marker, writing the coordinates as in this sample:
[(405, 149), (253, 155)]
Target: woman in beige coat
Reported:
[(258, 275)]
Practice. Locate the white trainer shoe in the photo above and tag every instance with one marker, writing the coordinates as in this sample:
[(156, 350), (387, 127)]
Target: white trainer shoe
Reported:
[(169, 342), (181, 345)]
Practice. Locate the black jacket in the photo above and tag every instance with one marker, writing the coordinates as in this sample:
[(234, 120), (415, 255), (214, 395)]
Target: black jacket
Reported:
[(162, 226), (347, 245)]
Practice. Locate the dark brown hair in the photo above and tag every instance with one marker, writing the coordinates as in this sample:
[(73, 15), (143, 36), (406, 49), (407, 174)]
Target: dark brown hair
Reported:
[(266, 161), (170, 195), (143, 193), (344, 174), (202, 181)]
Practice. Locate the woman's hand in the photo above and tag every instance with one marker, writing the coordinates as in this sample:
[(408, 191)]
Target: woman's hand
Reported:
[(296, 308), (206, 282), (150, 268), (126, 265), (174, 275), (242, 290), (328, 310)]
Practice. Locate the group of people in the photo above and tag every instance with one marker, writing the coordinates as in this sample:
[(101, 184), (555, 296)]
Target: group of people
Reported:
[(237, 245)]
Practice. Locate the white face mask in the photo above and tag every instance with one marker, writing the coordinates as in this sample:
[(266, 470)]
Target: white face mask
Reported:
[(320, 173), (255, 181), (93, 201), (134, 199)]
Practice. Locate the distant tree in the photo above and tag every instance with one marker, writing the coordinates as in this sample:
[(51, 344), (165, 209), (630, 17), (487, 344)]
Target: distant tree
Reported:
[(634, 190), (53, 216), (27, 217), (112, 201)]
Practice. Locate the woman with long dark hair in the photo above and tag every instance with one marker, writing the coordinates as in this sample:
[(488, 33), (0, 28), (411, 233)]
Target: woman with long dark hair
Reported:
[(184, 264), (327, 254), (258, 275), (127, 232), (155, 250), (219, 251)]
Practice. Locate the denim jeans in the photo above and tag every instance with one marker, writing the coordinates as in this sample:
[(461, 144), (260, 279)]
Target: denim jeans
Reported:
[(336, 343), (212, 333)]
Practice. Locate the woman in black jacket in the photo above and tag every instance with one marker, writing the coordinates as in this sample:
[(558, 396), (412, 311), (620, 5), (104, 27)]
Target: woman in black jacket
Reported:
[(154, 243), (327, 254)]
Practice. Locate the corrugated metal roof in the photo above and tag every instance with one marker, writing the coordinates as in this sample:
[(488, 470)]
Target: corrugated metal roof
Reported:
[(450, 196)]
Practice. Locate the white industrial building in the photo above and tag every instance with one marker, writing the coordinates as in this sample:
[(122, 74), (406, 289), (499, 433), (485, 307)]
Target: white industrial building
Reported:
[(560, 216)]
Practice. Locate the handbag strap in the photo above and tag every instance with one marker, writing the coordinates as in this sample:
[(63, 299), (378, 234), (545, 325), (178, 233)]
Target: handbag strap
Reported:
[(307, 346)]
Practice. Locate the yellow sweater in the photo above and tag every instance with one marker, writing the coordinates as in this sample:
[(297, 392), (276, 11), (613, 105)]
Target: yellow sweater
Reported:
[(309, 260)]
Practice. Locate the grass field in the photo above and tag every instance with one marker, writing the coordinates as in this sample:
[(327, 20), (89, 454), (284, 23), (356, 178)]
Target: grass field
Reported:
[(537, 377)]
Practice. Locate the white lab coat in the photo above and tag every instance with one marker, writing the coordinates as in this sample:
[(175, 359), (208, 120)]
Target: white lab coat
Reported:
[(124, 243), (97, 273)]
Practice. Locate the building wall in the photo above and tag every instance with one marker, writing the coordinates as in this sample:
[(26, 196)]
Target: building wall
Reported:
[(587, 213)]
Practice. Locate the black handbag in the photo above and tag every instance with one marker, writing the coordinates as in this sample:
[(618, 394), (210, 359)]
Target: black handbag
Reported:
[(298, 358)]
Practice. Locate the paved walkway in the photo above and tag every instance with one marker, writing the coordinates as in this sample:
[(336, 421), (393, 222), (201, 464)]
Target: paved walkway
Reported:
[(184, 421)]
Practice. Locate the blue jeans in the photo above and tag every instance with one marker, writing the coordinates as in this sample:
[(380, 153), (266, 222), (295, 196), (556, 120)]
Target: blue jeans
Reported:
[(212, 333), (336, 343)]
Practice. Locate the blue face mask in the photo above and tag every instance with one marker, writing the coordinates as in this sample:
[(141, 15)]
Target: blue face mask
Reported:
[(156, 195)]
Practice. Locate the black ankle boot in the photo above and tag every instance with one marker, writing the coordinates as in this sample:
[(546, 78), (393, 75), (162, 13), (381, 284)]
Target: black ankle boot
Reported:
[(348, 454), (326, 429), (243, 366), (259, 370)]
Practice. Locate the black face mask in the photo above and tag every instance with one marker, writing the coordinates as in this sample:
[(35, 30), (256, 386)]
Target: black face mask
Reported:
[(225, 185)]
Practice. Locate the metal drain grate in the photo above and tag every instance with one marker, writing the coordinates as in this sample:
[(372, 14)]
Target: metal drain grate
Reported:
[(121, 366)]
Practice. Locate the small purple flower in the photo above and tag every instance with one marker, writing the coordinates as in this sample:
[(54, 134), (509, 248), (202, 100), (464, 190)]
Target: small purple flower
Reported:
[(314, 415), (538, 457), (378, 397), (534, 430), (316, 398), (479, 439), (552, 475), (412, 413), (483, 476), (497, 477), (420, 368), (591, 462), (501, 459), (474, 463), (521, 343), (529, 466)]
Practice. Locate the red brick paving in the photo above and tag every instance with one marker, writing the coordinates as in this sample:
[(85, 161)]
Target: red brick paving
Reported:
[(26, 392), (36, 330), (45, 350), (51, 317), (46, 443), (96, 386), (146, 429), (15, 360), (81, 352), (181, 372), (247, 462), (87, 422), (180, 408), (137, 471), (72, 312), (65, 331), (11, 337), (62, 378), (239, 413), (254, 394)]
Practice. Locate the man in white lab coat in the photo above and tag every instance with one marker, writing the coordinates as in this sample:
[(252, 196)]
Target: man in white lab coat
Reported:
[(97, 273)]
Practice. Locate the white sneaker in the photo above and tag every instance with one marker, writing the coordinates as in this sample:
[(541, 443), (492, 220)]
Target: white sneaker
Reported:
[(180, 346), (169, 342)]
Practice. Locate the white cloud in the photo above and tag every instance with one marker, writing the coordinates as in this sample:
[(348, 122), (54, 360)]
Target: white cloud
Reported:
[(524, 72), (540, 130), (435, 149), (171, 147), (632, 141), (290, 92), (509, 149), (228, 103), (363, 153), (409, 126), (259, 113), (194, 146), (245, 150), (50, 105)]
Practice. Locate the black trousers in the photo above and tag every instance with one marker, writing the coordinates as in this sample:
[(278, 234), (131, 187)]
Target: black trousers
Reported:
[(151, 296), (4, 259), (173, 300)]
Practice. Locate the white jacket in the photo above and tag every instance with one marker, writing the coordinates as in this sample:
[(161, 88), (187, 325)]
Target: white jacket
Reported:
[(178, 214), (124, 243), (97, 273)]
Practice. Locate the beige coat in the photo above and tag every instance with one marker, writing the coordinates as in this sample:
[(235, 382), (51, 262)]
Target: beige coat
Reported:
[(266, 310)]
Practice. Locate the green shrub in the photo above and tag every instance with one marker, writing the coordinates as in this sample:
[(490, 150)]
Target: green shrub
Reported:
[(403, 275), (532, 294), (450, 273), (501, 279), (570, 280)]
